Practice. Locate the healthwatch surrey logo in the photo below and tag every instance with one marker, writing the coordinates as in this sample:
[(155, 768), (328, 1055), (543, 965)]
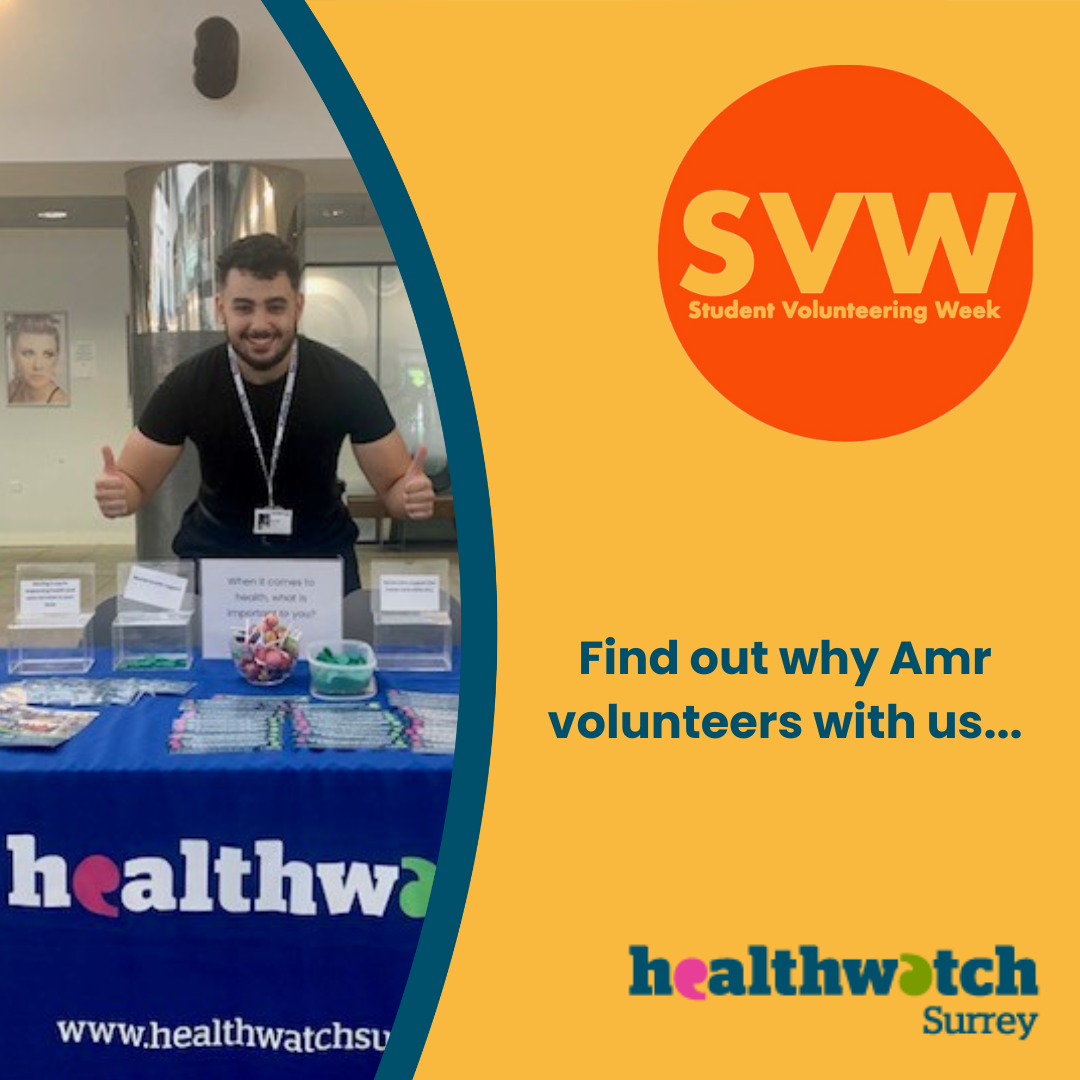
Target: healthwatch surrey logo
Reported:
[(845, 253), (200, 878), (806, 973)]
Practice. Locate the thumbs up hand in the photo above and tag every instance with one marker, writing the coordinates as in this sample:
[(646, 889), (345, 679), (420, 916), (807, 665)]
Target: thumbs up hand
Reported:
[(109, 489), (418, 492)]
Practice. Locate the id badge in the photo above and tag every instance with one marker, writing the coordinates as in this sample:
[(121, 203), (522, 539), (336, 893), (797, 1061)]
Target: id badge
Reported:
[(272, 521)]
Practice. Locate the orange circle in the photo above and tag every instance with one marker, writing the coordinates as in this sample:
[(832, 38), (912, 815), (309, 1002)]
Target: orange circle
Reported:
[(866, 201)]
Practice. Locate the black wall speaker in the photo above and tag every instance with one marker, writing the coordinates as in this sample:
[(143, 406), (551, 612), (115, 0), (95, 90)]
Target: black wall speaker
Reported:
[(217, 57)]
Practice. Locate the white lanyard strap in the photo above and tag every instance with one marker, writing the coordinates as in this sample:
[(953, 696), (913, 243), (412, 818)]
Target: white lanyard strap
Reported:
[(283, 414)]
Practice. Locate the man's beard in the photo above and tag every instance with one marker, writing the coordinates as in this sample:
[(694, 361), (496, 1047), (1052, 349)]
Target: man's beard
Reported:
[(269, 361)]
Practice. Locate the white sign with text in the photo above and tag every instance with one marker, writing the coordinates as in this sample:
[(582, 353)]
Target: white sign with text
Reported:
[(155, 589), (409, 592), (304, 593), (50, 597)]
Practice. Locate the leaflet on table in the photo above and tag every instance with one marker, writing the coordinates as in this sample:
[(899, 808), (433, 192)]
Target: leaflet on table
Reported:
[(233, 724), (82, 692), (31, 727)]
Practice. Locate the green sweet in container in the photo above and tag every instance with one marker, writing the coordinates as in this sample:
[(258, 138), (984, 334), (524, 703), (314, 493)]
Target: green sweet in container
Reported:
[(341, 669)]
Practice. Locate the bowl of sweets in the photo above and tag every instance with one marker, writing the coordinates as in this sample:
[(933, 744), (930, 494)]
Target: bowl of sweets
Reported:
[(266, 653)]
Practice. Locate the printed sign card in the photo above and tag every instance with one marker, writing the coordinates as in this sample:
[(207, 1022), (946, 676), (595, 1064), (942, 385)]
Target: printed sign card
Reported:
[(304, 593), (155, 588), (49, 598), (409, 592)]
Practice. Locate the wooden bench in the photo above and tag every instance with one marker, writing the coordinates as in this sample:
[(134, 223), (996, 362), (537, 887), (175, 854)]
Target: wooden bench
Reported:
[(371, 506)]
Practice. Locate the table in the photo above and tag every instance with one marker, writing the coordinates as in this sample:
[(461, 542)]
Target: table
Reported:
[(204, 901)]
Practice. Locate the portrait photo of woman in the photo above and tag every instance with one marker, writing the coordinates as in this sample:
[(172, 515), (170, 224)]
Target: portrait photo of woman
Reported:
[(36, 345)]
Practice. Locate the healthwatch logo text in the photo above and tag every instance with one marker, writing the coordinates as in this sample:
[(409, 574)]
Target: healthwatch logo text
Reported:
[(845, 253), (806, 973), (201, 878)]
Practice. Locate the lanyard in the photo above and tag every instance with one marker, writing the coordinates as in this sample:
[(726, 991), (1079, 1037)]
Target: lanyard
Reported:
[(283, 414)]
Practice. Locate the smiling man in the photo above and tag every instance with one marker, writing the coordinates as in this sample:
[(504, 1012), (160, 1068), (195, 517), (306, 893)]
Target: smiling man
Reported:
[(267, 411)]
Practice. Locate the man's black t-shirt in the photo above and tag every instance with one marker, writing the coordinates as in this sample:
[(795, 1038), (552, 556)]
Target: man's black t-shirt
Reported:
[(334, 399)]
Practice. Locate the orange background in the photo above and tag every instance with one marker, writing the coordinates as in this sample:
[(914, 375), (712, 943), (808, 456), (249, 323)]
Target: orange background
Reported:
[(538, 143)]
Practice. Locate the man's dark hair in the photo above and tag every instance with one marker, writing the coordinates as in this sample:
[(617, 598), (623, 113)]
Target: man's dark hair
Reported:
[(263, 255)]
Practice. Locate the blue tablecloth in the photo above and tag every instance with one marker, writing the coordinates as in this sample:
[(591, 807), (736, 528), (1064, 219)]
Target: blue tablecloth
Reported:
[(141, 888)]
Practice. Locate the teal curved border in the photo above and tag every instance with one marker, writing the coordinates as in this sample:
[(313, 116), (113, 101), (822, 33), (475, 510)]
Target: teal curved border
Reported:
[(472, 510)]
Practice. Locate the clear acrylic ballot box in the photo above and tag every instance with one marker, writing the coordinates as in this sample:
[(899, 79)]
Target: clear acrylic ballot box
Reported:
[(52, 629), (154, 625), (410, 610)]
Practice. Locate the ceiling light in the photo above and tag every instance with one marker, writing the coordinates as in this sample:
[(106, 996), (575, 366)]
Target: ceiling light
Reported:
[(334, 213), (52, 215)]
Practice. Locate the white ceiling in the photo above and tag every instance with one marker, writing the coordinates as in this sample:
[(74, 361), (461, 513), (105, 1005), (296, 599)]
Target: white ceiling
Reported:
[(92, 88)]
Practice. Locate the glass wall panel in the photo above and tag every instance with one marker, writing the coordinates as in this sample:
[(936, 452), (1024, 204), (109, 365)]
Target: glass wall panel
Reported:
[(341, 309), (364, 312), (403, 372)]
